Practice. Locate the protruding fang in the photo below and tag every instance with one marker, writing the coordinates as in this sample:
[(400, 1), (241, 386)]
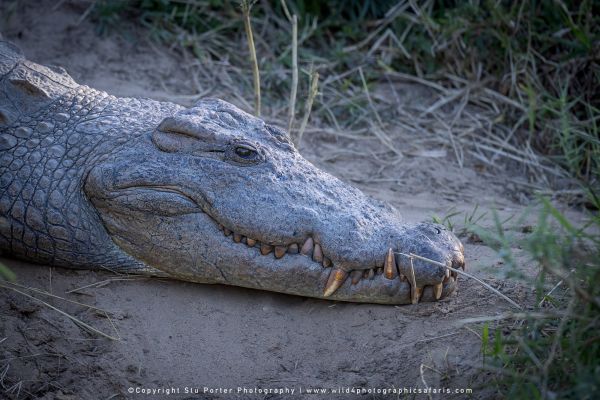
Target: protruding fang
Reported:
[(293, 248), (447, 273), (237, 237), (437, 290), (326, 262), (390, 265), (336, 279), (226, 231), (265, 249), (318, 253), (355, 276), (251, 242), (307, 247), (280, 251)]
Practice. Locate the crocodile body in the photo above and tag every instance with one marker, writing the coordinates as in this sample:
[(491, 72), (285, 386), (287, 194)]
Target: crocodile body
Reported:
[(207, 194)]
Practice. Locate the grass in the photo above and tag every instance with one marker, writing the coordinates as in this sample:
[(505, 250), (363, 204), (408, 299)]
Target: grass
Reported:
[(552, 349), (513, 82)]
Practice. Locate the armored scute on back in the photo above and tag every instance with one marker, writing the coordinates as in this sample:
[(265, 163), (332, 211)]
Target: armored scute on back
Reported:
[(207, 194)]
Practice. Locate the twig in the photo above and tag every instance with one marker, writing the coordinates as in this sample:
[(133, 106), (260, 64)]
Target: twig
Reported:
[(411, 255), (105, 282), (366, 88), (246, 6), (294, 91), (314, 85), (519, 315)]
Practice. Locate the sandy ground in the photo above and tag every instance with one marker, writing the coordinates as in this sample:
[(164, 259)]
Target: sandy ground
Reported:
[(177, 335)]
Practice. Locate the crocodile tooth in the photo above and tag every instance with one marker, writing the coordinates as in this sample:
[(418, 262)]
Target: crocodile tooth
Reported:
[(437, 290), (292, 248), (265, 249), (416, 294), (307, 247), (355, 276), (446, 279), (318, 253), (447, 273), (280, 251), (336, 279), (390, 265), (226, 231), (379, 271), (326, 262), (237, 237), (250, 242), (371, 273)]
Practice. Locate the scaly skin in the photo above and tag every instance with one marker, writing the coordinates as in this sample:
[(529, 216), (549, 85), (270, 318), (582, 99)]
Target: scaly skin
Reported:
[(208, 194)]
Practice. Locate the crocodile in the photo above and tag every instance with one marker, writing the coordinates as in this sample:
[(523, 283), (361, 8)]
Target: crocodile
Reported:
[(207, 194)]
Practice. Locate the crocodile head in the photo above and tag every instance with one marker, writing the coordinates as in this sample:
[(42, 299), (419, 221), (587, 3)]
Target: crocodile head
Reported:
[(216, 195)]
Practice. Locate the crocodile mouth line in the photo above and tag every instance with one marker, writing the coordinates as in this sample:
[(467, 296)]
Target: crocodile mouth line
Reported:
[(390, 269)]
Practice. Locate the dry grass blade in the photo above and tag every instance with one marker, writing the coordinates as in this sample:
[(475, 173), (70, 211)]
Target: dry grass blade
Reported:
[(391, 15), (43, 292), (411, 256), (314, 86), (106, 282), (294, 90), (516, 316), (246, 6), (378, 130), (75, 320)]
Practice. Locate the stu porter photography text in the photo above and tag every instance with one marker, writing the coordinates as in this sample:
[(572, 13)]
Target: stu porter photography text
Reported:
[(166, 391)]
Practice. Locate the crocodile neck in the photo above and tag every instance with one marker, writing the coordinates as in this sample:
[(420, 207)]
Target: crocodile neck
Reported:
[(52, 132)]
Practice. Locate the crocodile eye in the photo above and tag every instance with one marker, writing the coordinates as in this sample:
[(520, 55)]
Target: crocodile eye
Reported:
[(245, 152)]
